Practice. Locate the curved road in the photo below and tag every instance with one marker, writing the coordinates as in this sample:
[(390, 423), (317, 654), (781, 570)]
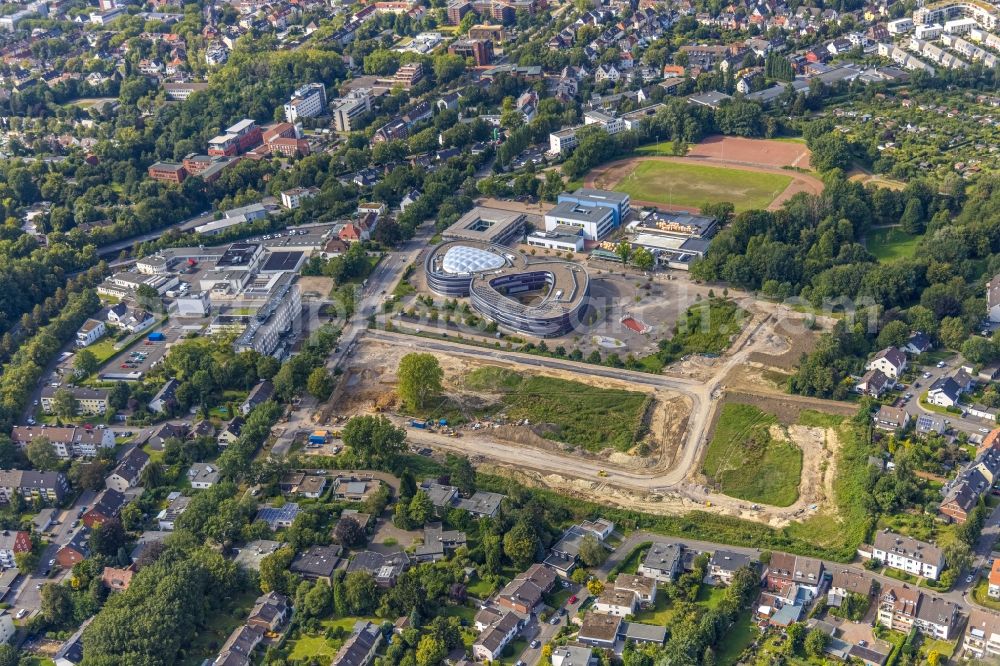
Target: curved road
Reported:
[(698, 392)]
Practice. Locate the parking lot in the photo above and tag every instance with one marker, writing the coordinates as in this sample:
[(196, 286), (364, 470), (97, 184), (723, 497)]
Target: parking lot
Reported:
[(143, 355)]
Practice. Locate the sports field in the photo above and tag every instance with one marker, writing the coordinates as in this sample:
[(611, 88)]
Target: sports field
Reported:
[(691, 185)]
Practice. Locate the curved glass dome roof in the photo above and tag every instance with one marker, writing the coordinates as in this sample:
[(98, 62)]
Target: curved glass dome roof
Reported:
[(464, 259)]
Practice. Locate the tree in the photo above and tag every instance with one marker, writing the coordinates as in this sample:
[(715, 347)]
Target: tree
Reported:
[(318, 600), (592, 552), (374, 441), (119, 395), (430, 651), (816, 643), (274, 574), (64, 404), (420, 509), (595, 587), (521, 544), (360, 592), (86, 362), (624, 251), (41, 454), (420, 378), (643, 259), (796, 635), (348, 533), (320, 383), (461, 474), (56, 604), (912, 221), (9, 655), (107, 537)]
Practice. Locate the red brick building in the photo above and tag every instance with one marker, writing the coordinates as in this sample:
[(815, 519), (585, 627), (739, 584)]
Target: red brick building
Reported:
[(170, 172)]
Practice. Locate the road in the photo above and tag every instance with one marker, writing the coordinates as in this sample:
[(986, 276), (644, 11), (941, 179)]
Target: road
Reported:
[(702, 394), (28, 594), (382, 281), (967, 424), (183, 225)]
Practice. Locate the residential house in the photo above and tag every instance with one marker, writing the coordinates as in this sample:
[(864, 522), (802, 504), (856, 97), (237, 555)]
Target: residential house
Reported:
[(360, 647), (599, 631), (386, 569), (270, 612), (231, 433), (261, 392), (891, 418), (572, 655), (12, 543), (176, 505), (908, 554), (107, 505), (438, 543), (203, 475), (873, 383), (91, 331), (76, 549), (788, 574), (70, 653), (354, 489), (944, 392), (982, 635), (662, 562), (521, 595), (616, 602), (918, 343), (279, 517), (238, 648), (994, 580), (848, 581), (117, 580), (724, 564), (993, 299), (317, 563), (128, 471), (643, 587), (165, 399), (492, 641), (890, 361)]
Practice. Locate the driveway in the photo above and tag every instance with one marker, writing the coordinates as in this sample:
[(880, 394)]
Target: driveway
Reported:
[(544, 632)]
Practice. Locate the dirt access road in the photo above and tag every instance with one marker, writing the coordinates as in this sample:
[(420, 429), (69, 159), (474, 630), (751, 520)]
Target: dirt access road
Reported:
[(660, 489)]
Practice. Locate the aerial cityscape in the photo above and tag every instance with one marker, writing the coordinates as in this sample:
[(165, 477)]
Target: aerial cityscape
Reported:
[(511, 332)]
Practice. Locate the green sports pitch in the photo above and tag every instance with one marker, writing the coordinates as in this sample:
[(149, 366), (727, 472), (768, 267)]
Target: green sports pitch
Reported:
[(692, 186)]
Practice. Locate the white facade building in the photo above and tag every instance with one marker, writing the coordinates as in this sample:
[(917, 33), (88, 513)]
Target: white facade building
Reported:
[(308, 101)]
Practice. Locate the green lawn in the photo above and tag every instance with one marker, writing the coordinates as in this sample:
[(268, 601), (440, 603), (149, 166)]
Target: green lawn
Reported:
[(309, 647), (570, 412), (658, 615), (746, 462), (661, 148), (814, 419), (981, 598), (480, 589), (737, 639), (891, 244), (695, 185)]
